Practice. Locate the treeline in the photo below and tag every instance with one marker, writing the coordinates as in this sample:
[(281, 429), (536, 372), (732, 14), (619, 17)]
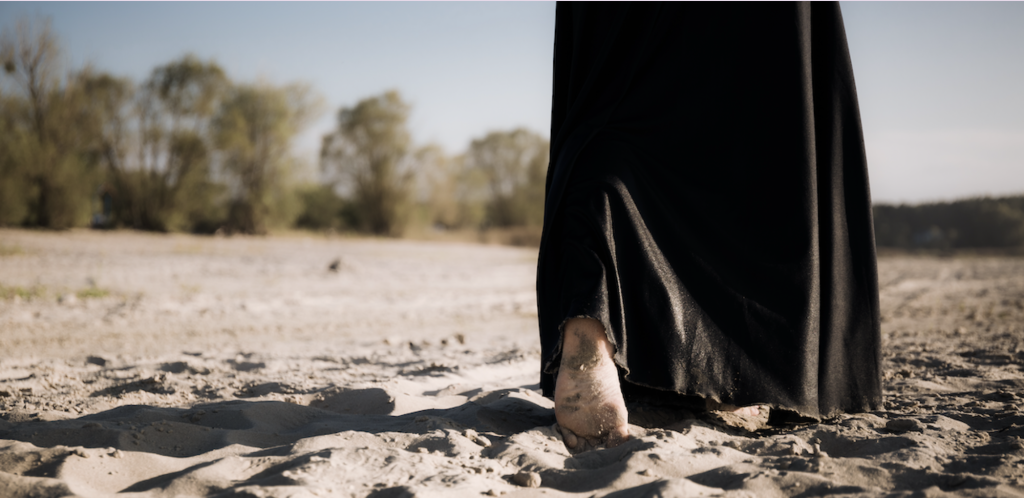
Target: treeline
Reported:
[(964, 224), (188, 149)]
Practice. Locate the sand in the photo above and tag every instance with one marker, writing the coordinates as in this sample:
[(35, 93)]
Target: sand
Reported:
[(171, 365)]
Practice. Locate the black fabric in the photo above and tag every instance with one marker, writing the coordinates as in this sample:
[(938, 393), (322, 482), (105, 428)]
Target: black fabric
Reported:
[(707, 201)]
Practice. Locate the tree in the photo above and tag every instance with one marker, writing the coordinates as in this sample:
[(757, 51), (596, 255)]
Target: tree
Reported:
[(966, 223), (368, 155), (48, 182), (514, 164), (322, 208), (163, 177), (253, 130), (15, 183), (449, 194)]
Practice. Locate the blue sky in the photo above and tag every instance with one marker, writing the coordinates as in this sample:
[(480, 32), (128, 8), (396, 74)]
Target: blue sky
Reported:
[(938, 82), (940, 90)]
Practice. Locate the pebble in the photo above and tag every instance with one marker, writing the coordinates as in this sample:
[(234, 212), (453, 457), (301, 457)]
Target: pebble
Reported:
[(527, 479), (477, 438), (818, 453), (904, 425)]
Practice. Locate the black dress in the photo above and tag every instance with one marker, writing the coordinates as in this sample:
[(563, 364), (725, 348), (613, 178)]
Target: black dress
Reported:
[(707, 201)]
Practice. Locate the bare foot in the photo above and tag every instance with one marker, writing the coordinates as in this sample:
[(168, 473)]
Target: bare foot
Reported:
[(588, 400), (750, 418), (746, 411)]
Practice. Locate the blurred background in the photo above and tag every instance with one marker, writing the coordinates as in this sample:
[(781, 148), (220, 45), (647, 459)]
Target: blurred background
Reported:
[(431, 120)]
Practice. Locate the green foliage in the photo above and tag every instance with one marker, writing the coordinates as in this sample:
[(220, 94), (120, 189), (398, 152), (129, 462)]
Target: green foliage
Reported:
[(26, 293), (498, 183), (48, 177), (188, 150), (322, 208), (15, 189), (253, 130), (514, 165), (969, 223), (189, 90), (448, 194), (369, 155), (153, 143), (92, 293)]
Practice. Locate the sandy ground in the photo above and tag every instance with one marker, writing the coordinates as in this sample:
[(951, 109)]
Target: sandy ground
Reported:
[(149, 365)]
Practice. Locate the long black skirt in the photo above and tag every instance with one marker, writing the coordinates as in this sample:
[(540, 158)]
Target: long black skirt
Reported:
[(717, 221)]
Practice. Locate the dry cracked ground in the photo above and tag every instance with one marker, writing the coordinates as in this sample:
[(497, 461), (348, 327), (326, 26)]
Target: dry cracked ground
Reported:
[(170, 365)]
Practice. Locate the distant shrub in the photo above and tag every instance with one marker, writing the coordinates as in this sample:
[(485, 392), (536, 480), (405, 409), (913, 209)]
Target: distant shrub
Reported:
[(26, 293), (968, 223), (514, 166), (92, 293), (369, 155), (322, 208), (48, 177)]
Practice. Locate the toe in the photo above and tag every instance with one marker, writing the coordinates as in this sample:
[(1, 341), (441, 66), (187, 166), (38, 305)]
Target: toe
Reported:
[(568, 437)]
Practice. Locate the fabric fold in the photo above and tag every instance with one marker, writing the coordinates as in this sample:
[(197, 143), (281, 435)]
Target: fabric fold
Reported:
[(707, 201)]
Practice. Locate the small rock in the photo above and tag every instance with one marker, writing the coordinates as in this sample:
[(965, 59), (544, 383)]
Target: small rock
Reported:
[(645, 472), (818, 453), (527, 479), (476, 438), (490, 492), (335, 265), (904, 425), (945, 424)]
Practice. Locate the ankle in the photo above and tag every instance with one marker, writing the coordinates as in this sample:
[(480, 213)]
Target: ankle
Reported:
[(585, 338)]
